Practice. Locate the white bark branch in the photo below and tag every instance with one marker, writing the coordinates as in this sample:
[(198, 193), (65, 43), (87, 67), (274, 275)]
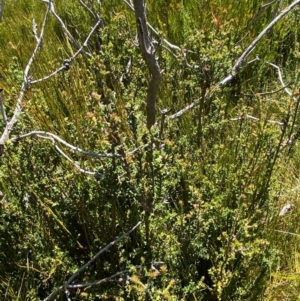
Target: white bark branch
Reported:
[(179, 113), (60, 140), (25, 84), (68, 61), (82, 170), (64, 27), (242, 59), (92, 13), (247, 116), (27, 80), (97, 282), (56, 139), (34, 30), (284, 86), (285, 232)]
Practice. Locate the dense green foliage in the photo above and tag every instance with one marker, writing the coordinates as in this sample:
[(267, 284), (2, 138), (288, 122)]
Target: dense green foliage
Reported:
[(208, 185)]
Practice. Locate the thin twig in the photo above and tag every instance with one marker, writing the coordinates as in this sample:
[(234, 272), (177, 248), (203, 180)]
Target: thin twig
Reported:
[(165, 43), (54, 138), (82, 170), (291, 136), (259, 12), (268, 4), (162, 123), (170, 45), (127, 70)]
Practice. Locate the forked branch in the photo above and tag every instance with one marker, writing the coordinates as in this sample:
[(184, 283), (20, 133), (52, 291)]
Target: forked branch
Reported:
[(25, 84), (28, 80), (242, 59)]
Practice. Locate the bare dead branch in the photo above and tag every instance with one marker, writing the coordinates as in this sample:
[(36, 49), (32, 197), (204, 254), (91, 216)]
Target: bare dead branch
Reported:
[(98, 282), (285, 232), (166, 44), (93, 14), (275, 91), (34, 30), (123, 277), (129, 4), (60, 140), (260, 11), (54, 138), (67, 293), (281, 80), (162, 123), (137, 149), (247, 116), (72, 58), (106, 248), (50, 75), (254, 60), (82, 170), (65, 29), (268, 4), (25, 84), (241, 60), (148, 54), (127, 70), (187, 63), (170, 45), (179, 113)]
